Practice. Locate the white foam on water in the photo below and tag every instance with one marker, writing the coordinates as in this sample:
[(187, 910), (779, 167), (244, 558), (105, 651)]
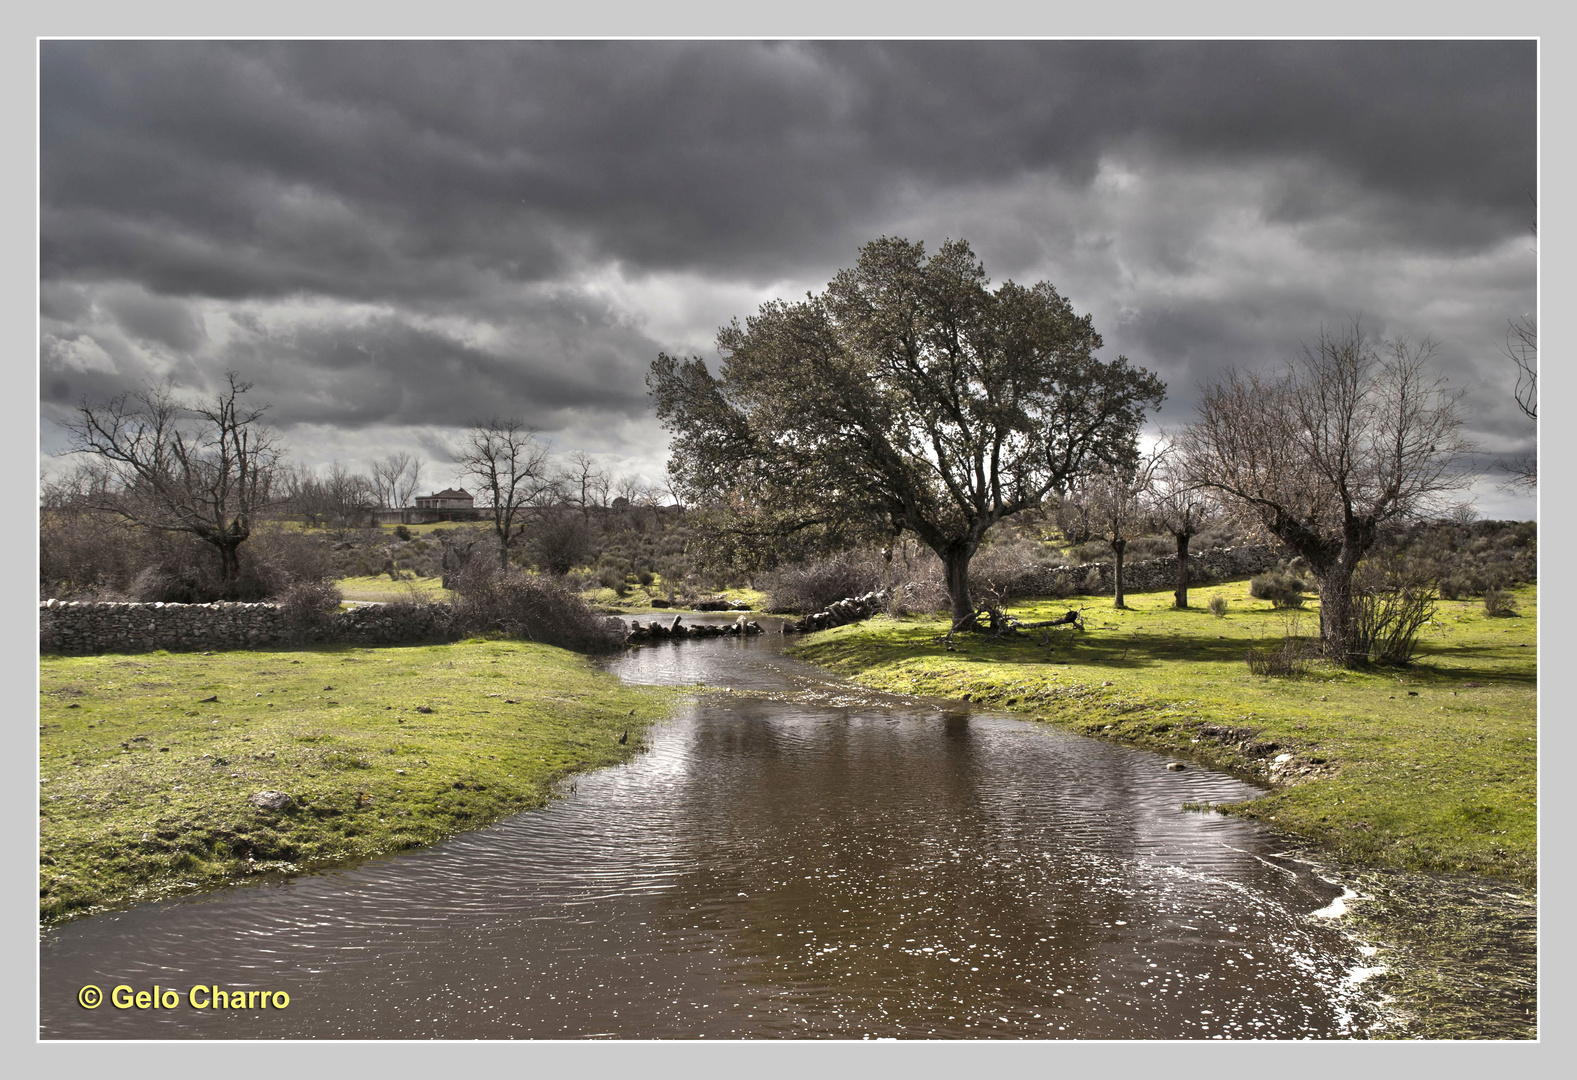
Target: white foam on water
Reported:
[(1337, 907)]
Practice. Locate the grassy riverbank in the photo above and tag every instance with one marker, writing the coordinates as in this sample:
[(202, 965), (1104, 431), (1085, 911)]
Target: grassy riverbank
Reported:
[(144, 785), (1430, 767)]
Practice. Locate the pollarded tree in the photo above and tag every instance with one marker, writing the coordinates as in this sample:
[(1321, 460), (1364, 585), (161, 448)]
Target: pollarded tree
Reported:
[(201, 467), (1345, 441), (908, 396)]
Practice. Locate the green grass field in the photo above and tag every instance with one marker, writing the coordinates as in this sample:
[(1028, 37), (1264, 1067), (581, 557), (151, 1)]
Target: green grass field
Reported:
[(638, 598), (144, 785), (1428, 767), (381, 587)]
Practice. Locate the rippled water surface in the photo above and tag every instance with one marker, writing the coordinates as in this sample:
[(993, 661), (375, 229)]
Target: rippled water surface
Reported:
[(793, 856)]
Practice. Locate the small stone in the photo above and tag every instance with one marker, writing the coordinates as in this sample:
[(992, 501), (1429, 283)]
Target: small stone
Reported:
[(1412, 693), (271, 800), (206, 700), (1280, 758), (424, 709), (1175, 766)]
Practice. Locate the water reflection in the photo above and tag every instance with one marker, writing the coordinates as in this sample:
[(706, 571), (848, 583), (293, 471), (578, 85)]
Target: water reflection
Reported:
[(794, 857)]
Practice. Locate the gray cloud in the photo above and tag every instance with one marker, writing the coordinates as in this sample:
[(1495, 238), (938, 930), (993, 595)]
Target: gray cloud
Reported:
[(405, 233)]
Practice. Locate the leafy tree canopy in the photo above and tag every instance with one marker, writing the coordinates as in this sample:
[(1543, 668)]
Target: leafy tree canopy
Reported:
[(906, 396)]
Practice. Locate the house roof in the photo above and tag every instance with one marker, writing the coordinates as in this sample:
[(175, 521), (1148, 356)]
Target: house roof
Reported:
[(450, 493)]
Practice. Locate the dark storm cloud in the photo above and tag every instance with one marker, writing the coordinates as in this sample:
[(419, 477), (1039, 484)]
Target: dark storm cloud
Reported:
[(388, 233), (248, 168)]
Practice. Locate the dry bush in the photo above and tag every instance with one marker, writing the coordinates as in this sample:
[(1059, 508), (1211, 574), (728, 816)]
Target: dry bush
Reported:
[(1287, 658), (1218, 606), (810, 586), (530, 606), (1393, 602), (1282, 588), (308, 609), (1498, 604), (1012, 570)]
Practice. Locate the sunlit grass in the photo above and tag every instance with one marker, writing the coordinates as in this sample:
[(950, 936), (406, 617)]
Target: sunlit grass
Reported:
[(381, 587), (144, 786)]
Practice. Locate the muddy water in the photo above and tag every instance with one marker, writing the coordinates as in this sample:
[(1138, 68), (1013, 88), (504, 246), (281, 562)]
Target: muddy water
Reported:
[(794, 856)]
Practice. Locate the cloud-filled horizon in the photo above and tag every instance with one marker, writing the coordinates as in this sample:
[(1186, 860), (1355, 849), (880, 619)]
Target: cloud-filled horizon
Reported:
[(394, 239)]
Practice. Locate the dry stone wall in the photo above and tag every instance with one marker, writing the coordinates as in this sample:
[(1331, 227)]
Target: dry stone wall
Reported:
[(1216, 564), (91, 628)]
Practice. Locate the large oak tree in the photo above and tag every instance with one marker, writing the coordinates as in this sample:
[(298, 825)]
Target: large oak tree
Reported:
[(908, 396)]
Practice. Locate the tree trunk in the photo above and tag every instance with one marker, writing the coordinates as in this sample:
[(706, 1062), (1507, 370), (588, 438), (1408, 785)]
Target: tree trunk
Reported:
[(502, 528), (229, 560), (1118, 546), (955, 562), (1182, 572), (1338, 616)]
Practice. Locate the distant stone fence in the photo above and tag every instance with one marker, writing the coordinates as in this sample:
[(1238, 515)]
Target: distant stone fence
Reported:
[(1216, 564), (90, 628)]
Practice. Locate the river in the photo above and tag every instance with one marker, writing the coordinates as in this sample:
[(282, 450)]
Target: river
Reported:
[(795, 856)]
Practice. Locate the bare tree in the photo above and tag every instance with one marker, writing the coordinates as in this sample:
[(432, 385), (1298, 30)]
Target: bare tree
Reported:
[(396, 477), (586, 482), (1342, 443), (629, 487), (350, 496), (202, 467), (513, 470), (1182, 509), (1115, 501), (1522, 347)]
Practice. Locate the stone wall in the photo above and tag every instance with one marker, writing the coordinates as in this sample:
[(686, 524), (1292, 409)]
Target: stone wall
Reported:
[(1150, 575), (90, 628)]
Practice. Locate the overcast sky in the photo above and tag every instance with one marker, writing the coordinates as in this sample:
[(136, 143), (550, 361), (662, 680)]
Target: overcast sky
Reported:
[(392, 239)]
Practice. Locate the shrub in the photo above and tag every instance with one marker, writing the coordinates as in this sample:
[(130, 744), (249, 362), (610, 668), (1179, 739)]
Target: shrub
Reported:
[(1288, 658), (1389, 622), (1009, 570), (1393, 600), (402, 533), (531, 606), (1498, 604), (1218, 606), (1092, 583), (1280, 587), (561, 542), (308, 609), (810, 586), (1283, 661)]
